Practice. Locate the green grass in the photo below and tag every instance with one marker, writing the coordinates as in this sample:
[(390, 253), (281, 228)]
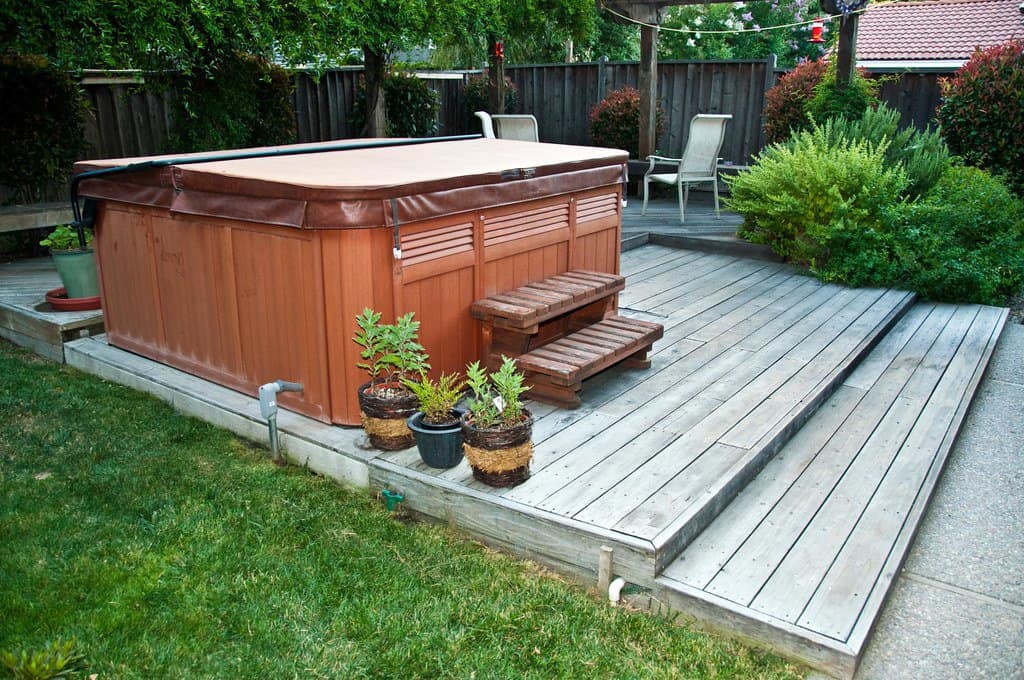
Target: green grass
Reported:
[(170, 548)]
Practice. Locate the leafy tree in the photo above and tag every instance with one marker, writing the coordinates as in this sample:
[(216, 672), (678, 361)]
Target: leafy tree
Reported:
[(789, 44), (161, 34)]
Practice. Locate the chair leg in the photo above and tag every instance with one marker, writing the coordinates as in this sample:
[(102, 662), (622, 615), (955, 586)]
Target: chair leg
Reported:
[(643, 210), (682, 202), (718, 214)]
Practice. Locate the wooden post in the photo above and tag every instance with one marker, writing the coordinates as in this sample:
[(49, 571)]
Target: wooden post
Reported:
[(845, 49), (604, 570), (648, 89), (602, 73), (496, 76)]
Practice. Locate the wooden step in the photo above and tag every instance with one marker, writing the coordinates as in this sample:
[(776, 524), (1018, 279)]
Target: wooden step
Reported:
[(556, 370)]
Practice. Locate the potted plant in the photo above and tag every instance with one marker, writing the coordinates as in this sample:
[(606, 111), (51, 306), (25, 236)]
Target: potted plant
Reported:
[(436, 425), (75, 265), (496, 430), (393, 354)]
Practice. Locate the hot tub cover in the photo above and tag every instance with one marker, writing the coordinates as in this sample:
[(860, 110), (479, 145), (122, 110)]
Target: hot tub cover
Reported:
[(359, 188)]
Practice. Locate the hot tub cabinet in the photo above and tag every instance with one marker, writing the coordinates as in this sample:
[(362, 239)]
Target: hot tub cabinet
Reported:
[(247, 271)]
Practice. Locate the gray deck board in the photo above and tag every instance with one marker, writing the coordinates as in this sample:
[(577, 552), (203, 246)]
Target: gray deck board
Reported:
[(25, 317), (815, 541)]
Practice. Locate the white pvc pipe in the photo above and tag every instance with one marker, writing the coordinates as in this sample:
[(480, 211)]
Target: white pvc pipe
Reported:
[(615, 590)]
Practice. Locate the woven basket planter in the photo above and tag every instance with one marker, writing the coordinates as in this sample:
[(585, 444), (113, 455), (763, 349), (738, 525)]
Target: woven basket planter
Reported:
[(499, 457), (384, 418)]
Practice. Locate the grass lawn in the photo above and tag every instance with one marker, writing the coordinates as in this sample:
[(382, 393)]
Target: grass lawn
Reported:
[(170, 548)]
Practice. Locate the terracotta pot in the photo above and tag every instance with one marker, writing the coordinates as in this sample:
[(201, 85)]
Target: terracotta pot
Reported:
[(384, 418), (499, 456)]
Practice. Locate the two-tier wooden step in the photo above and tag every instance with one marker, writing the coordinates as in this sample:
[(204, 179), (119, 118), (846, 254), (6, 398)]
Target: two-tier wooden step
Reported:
[(556, 370), (561, 330)]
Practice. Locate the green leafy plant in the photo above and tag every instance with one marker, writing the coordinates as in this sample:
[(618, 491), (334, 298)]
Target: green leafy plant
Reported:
[(412, 107), (475, 95), (809, 92), (496, 400), (65, 237), (56, 661), (799, 192), (849, 100), (922, 155), (41, 127), (392, 351), (962, 242), (241, 101), (615, 121), (982, 111), (437, 399)]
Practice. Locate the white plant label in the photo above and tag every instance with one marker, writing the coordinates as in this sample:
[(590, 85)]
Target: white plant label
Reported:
[(499, 404)]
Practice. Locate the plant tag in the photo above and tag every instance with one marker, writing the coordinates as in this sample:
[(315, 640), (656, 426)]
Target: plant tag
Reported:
[(499, 404)]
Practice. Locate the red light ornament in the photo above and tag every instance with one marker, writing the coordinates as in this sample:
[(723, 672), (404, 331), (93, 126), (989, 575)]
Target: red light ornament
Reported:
[(499, 50)]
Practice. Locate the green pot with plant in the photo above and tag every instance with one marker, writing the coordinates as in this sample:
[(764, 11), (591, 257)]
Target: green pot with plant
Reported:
[(436, 425), (497, 430), (393, 355), (76, 266)]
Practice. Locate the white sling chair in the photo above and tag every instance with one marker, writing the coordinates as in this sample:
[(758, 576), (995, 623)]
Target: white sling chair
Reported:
[(508, 126), (698, 164)]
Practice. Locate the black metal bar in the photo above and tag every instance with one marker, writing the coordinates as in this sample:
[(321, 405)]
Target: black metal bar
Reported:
[(241, 155)]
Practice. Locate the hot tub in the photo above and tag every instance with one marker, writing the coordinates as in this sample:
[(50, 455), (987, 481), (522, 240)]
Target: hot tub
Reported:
[(251, 270)]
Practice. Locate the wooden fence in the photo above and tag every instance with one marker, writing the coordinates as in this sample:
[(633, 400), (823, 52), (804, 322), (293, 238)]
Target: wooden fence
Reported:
[(127, 122)]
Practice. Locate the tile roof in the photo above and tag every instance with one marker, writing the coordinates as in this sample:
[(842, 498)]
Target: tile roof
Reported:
[(936, 29)]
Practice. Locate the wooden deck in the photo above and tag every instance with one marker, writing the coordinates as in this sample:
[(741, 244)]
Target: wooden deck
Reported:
[(811, 547), (25, 317), (750, 349)]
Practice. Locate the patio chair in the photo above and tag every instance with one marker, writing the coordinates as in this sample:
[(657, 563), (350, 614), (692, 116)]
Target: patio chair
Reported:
[(698, 164), (509, 126)]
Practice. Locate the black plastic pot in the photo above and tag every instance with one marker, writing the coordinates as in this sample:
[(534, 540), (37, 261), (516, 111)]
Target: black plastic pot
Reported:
[(440, 445)]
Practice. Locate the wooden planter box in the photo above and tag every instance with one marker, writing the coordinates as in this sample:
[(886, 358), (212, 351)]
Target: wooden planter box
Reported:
[(248, 271)]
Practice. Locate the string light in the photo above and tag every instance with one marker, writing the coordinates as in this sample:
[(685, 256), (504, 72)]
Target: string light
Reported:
[(759, 29)]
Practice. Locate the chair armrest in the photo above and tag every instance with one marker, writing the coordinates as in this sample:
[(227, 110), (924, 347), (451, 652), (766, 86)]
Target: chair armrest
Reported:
[(655, 159)]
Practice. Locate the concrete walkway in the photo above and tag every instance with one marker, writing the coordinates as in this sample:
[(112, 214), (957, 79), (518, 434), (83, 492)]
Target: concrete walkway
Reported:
[(957, 610)]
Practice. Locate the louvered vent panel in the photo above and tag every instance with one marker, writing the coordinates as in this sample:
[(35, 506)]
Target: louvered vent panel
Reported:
[(597, 207), (434, 244), (525, 224)]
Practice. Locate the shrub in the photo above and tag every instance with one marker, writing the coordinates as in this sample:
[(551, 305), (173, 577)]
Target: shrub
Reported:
[(243, 101), (982, 111), (412, 107), (615, 121), (850, 101), (809, 91), (962, 242), (476, 96), (923, 155), (437, 399), (784, 103), (41, 127), (393, 352), (798, 193)]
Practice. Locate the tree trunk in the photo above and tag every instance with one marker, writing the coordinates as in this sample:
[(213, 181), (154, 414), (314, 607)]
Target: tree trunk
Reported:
[(496, 77), (375, 63)]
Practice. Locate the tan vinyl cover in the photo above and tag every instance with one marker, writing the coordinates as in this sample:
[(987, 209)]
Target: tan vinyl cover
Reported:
[(362, 187)]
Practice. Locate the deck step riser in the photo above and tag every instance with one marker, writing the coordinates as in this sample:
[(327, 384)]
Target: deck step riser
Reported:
[(668, 547)]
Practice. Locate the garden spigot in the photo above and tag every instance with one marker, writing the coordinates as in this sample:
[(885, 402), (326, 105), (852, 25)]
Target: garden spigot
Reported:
[(268, 409), (391, 499)]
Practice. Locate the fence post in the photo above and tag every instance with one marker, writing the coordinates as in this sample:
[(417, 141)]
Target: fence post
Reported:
[(601, 75), (770, 64)]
